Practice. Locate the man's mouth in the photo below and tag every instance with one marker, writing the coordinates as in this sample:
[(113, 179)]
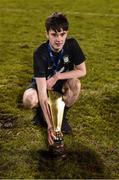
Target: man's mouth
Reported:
[(58, 44)]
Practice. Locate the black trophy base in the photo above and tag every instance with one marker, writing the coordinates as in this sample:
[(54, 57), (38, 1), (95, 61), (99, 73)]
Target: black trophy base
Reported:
[(57, 151)]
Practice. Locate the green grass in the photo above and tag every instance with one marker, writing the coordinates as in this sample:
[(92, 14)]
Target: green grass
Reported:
[(93, 147)]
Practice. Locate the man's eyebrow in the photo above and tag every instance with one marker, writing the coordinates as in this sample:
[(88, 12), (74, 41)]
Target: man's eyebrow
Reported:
[(56, 33), (53, 33), (63, 32)]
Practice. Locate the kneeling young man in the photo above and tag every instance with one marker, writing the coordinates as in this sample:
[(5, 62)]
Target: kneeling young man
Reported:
[(58, 66)]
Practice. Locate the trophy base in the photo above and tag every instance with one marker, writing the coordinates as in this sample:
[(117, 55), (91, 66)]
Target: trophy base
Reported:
[(57, 151)]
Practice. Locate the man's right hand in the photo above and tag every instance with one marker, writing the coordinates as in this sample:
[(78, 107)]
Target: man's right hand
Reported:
[(51, 136)]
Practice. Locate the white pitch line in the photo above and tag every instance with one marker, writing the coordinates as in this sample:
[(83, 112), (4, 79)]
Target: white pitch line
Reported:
[(114, 15), (92, 14)]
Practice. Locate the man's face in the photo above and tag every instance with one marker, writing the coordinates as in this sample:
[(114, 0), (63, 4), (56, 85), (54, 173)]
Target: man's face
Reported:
[(57, 39)]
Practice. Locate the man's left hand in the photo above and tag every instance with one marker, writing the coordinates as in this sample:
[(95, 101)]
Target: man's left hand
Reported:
[(52, 81)]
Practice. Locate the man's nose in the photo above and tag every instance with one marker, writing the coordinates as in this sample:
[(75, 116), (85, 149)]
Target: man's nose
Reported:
[(59, 38)]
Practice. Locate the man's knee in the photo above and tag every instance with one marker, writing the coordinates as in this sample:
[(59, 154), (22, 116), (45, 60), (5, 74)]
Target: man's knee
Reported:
[(72, 90), (30, 98), (74, 85)]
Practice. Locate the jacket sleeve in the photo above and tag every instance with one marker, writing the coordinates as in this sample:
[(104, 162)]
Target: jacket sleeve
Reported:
[(38, 64), (77, 53)]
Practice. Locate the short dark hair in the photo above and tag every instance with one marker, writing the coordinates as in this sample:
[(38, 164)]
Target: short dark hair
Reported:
[(56, 22)]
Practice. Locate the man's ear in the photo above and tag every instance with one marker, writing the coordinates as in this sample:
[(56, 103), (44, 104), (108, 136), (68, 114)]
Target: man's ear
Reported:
[(46, 34)]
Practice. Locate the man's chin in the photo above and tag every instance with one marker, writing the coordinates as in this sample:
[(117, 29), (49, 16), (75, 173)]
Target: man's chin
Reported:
[(58, 48)]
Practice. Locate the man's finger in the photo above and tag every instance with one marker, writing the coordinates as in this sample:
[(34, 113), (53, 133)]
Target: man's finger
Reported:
[(50, 140), (53, 136), (51, 133)]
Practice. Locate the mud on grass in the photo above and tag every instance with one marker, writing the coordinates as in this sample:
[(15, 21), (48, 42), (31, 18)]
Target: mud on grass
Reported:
[(7, 120)]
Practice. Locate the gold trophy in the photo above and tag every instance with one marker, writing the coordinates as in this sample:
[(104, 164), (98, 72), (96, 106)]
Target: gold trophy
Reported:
[(57, 110)]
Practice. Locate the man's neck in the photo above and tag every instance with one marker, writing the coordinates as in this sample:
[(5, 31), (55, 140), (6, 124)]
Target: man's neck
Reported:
[(54, 50)]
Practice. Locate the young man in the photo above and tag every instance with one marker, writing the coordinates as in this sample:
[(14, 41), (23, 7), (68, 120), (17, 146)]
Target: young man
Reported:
[(58, 66)]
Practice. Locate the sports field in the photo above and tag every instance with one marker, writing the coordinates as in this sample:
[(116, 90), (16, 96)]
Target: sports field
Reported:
[(94, 145)]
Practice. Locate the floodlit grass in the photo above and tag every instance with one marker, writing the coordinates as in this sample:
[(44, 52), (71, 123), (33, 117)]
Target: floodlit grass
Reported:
[(93, 148)]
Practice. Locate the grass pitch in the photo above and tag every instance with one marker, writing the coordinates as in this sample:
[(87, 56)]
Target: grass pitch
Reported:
[(94, 145)]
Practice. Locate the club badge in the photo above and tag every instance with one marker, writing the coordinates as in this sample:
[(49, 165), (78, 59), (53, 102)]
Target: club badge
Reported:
[(66, 59)]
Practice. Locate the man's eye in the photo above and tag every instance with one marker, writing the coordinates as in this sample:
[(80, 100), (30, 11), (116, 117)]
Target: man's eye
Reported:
[(54, 35), (62, 34)]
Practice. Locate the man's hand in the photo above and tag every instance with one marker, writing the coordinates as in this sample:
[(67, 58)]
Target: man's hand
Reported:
[(51, 136), (52, 81)]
